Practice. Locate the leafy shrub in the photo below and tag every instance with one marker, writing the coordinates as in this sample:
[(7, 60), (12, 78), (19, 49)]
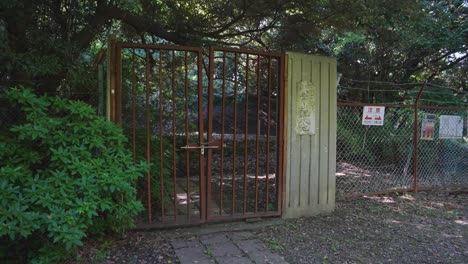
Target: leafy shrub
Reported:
[(65, 173)]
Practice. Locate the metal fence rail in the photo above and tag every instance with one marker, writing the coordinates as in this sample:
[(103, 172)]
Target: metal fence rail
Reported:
[(373, 159)]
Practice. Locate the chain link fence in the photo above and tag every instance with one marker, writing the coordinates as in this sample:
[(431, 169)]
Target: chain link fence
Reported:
[(373, 159), (443, 161)]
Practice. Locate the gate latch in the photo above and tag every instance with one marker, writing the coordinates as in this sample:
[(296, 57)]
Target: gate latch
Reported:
[(201, 147)]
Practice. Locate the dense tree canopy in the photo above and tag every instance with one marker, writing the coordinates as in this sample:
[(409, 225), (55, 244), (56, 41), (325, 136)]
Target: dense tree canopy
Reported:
[(389, 40)]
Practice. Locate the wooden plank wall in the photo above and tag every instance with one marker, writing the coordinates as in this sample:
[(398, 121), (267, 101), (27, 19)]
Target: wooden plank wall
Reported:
[(311, 159)]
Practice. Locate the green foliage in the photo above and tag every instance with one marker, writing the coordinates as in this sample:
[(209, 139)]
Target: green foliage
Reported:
[(65, 173), (54, 43)]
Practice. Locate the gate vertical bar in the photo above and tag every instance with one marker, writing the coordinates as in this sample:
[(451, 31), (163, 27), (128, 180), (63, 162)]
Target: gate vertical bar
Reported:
[(133, 107), (118, 84), (148, 157), (174, 161), (416, 138), (222, 136), (187, 153), (201, 139), (236, 69), (111, 78), (257, 133), (161, 159), (268, 135), (246, 129), (209, 132)]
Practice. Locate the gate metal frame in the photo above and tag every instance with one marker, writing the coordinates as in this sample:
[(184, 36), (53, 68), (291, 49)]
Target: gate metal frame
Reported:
[(280, 134), (115, 114)]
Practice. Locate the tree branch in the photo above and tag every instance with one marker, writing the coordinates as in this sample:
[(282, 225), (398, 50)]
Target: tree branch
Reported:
[(446, 67)]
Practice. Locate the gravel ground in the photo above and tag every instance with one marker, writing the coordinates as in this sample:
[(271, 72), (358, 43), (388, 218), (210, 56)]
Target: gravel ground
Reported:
[(427, 227), (132, 247)]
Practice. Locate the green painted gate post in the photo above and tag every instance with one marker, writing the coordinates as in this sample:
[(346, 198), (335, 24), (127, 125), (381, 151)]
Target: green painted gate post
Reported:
[(311, 135)]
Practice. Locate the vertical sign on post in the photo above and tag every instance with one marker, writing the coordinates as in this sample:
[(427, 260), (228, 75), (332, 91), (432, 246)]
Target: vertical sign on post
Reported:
[(305, 104), (373, 115), (427, 127)]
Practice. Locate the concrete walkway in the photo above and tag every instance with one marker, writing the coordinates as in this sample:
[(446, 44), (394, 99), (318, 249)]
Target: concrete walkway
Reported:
[(224, 247)]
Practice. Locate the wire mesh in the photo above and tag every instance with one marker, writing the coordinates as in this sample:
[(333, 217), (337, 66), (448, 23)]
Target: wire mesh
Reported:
[(374, 158), (443, 161), (380, 158)]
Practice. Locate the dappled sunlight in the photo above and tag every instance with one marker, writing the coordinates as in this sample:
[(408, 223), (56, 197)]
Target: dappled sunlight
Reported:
[(407, 197), (182, 198), (461, 222), (350, 170), (381, 199), (451, 236), (436, 205)]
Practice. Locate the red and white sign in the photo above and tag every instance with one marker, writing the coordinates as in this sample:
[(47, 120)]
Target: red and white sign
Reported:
[(428, 126), (373, 115)]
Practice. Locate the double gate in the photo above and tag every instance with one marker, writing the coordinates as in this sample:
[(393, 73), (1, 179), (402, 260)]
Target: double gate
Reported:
[(211, 128)]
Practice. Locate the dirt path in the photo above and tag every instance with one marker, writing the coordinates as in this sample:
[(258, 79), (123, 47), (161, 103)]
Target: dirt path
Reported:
[(429, 227)]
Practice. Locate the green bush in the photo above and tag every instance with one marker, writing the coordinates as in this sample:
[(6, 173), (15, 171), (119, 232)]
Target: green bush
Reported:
[(65, 173)]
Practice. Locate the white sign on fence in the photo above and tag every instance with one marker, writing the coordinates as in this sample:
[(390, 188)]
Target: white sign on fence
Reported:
[(451, 127), (373, 115)]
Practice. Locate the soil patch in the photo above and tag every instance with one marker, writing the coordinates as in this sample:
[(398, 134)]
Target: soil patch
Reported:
[(427, 227)]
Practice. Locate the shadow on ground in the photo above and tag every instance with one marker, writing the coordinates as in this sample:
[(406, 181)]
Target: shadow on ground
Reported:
[(427, 227)]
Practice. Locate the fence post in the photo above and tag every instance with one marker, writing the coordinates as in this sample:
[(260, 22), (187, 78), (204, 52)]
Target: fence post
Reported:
[(416, 138)]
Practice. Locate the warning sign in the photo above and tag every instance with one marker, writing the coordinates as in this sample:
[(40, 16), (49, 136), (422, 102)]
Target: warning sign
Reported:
[(427, 127), (373, 115)]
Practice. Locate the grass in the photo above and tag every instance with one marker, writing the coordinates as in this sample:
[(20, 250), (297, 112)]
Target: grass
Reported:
[(274, 245)]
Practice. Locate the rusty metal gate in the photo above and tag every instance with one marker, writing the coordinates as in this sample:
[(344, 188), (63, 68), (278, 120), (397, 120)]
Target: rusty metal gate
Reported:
[(210, 127)]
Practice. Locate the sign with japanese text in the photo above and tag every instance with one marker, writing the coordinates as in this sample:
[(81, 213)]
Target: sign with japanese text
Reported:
[(305, 107), (428, 126), (373, 115)]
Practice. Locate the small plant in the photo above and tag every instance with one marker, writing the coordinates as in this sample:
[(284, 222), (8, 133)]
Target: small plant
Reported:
[(292, 226), (101, 252), (274, 244), (375, 208), (65, 174)]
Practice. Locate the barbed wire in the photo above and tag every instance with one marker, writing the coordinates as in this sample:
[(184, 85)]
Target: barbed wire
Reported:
[(443, 87), (401, 91), (370, 90), (382, 82), (442, 102)]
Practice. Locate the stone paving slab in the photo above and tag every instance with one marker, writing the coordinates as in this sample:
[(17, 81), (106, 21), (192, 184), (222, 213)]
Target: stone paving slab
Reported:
[(214, 239), (234, 260), (193, 255), (176, 244), (225, 247), (241, 235), (252, 245)]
